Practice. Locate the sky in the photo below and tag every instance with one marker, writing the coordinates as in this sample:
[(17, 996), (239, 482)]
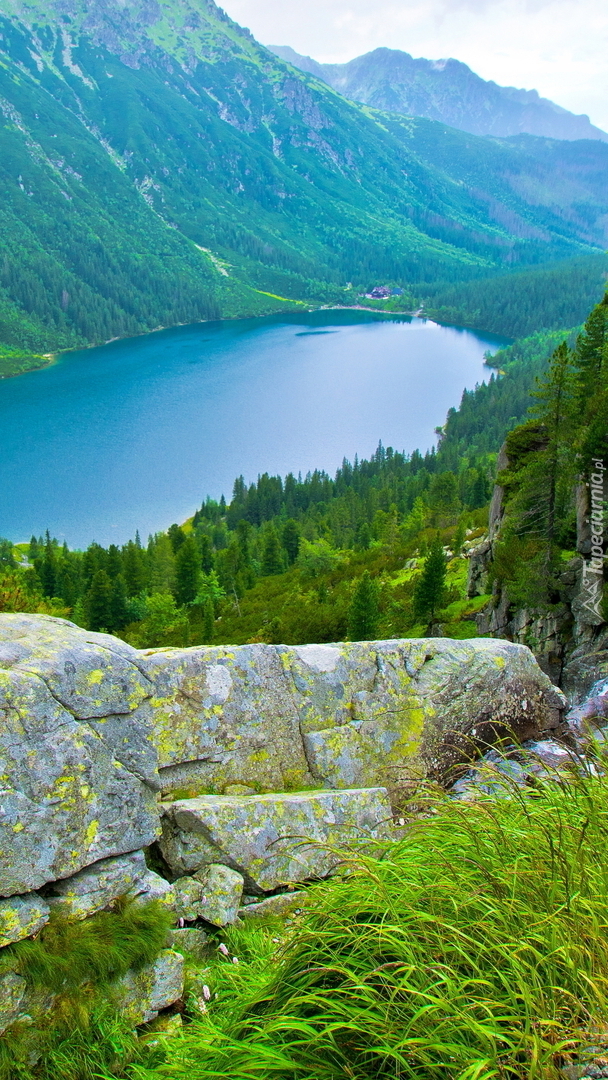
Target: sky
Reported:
[(558, 47)]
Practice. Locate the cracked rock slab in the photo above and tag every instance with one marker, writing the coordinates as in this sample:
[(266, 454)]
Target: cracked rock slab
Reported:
[(359, 714), (273, 840), (65, 800), (225, 715), (94, 677)]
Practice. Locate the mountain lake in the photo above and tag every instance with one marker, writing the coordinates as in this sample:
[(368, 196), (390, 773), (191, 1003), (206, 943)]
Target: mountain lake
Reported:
[(135, 434)]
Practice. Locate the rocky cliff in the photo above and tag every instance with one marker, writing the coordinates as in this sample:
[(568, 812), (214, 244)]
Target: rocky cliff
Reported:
[(569, 640)]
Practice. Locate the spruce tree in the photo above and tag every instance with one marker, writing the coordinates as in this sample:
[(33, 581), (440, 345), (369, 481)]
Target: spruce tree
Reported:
[(98, 602), (429, 594), (118, 604), (272, 557), (206, 549), (364, 611), (187, 572), (290, 537), (47, 567), (591, 362)]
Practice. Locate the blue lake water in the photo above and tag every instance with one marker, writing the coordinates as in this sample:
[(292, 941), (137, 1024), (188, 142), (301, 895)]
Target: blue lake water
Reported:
[(135, 434)]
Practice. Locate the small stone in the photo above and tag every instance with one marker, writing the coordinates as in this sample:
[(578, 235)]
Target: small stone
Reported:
[(222, 892), (12, 990), (190, 940), (190, 900), (167, 1025), (141, 995), (151, 886), (21, 917), (274, 905)]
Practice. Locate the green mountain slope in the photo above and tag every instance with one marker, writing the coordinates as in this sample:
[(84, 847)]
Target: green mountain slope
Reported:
[(159, 166)]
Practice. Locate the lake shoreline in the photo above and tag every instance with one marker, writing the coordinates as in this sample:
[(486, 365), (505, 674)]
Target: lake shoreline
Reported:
[(53, 358)]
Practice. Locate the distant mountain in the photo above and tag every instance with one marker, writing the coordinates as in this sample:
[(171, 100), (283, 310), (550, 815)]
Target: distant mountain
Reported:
[(447, 91), (159, 166)]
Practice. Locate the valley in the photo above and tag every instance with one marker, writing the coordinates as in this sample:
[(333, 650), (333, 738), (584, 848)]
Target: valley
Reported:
[(159, 172)]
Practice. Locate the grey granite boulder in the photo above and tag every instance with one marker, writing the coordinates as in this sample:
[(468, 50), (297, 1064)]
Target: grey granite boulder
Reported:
[(213, 895), (97, 886), (226, 715), (272, 839), (347, 715), (190, 939), (222, 894), (85, 718), (72, 792), (279, 906), (384, 711), (21, 917), (189, 898)]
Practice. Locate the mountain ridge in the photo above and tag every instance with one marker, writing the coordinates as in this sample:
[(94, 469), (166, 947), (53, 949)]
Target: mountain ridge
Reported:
[(447, 91)]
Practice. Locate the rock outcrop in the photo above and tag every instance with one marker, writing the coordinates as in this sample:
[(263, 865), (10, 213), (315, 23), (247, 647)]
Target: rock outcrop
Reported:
[(286, 754)]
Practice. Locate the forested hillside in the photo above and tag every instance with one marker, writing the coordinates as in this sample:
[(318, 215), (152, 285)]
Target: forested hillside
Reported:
[(377, 550), (160, 169)]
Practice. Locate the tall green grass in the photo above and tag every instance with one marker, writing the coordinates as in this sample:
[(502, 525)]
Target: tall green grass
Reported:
[(475, 948)]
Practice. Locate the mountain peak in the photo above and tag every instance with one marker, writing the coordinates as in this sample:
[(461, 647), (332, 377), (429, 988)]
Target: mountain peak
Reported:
[(446, 90)]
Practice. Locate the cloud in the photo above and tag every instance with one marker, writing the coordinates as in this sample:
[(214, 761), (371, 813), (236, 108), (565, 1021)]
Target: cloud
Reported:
[(558, 47)]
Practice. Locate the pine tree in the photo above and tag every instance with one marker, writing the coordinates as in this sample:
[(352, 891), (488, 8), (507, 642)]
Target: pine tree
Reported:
[(98, 602), (290, 537), (187, 572), (206, 549), (364, 611), (429, 593), (272, 559), (47, 567), (162, 564), (591, 361), (177, 537), (135, 571), (591, 350)]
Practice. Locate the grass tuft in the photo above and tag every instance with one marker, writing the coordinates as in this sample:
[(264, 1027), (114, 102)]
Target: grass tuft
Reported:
[(73, 1031), (67, 955)]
